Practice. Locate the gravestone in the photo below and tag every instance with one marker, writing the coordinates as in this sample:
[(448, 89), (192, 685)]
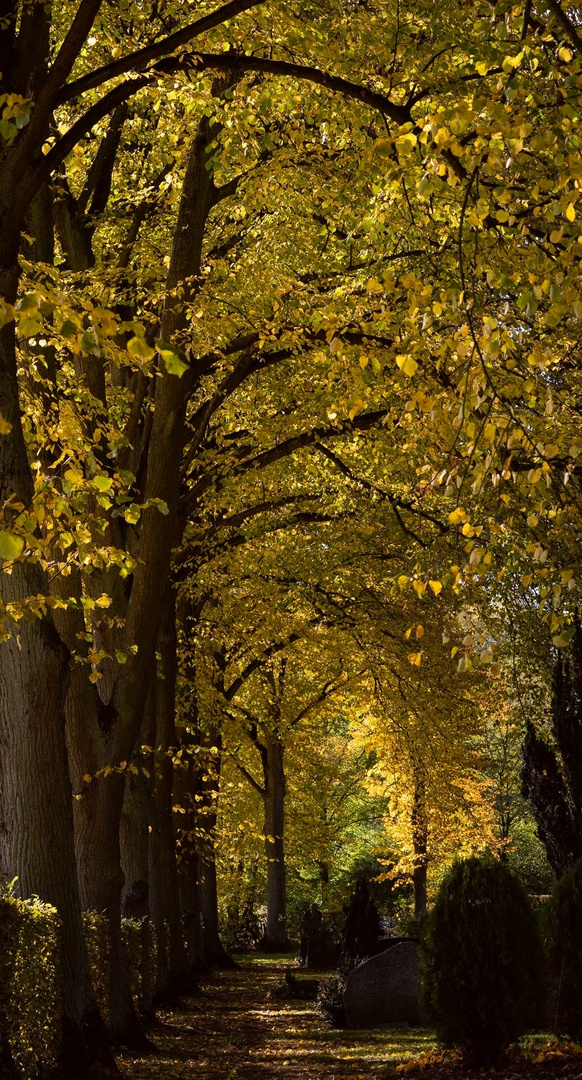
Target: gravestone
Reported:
[(384, 989)]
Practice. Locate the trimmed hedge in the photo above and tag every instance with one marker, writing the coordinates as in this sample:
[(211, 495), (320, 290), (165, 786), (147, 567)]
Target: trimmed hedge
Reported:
[(30, 983), (30, 977)]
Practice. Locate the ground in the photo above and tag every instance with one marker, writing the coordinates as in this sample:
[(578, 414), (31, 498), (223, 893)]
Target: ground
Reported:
[(239, 1030)]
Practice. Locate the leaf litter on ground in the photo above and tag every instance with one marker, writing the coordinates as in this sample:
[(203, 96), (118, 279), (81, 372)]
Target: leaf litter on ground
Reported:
[(239, 1031)]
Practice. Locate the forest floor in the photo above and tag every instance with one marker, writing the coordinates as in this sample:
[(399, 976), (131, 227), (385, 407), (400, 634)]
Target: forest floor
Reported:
[(240, 1029)]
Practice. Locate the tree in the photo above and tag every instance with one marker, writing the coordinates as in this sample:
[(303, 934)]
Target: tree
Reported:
[(552, 784)]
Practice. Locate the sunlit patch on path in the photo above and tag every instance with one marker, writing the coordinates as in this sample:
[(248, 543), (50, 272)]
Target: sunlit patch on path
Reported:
[(237, 1030)]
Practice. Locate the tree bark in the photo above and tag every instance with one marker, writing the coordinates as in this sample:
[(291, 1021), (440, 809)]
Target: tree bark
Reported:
[(272, 754), (165, 879), (134, 844)]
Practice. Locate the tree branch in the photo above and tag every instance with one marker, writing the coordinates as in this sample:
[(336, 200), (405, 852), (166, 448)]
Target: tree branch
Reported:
[(139, 59), (566, 24)]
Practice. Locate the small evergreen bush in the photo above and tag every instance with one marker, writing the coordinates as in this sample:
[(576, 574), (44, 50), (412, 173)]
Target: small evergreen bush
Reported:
[(483, 971), (563, 921)]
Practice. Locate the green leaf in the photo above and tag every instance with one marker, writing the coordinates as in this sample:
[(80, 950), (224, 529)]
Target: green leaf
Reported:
[(102, 483), (68, 329), (11, 546), (138, 346), (172, 362)]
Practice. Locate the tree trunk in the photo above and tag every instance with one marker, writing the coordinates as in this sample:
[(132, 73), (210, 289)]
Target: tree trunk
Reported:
[(134, 843), (190, 903), (166, 878), (275, 939), (420, 842), (186, 789), (213, 950), (105, 737), (36, 817), (97, 810)]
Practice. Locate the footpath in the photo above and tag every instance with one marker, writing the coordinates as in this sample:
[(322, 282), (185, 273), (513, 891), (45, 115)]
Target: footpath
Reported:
[(237, 1030), (240, 1030)]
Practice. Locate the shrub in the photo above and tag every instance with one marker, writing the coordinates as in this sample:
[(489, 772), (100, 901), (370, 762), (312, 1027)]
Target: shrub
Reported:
[(482, 961), (361, 927), (30, 983), (330, 1001), (563, 920), (97, 940), (30, 980), (139, 938)]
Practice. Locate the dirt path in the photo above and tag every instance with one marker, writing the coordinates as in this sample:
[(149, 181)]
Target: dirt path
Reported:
[(238, 1030)]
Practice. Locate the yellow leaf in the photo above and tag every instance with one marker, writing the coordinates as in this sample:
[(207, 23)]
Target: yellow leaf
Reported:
[(565, 54), (11, 545), (436, 587), (457, 516), (405, 144), (415, 658), (104, 601), (374, 286), (419, 587), (403, 581), (511, 62), (407, 365), (570, 212)]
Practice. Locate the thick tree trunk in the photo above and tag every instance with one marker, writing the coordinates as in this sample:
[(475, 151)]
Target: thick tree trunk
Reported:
[(275, 939), (213, 950), (134, 843), (97, 811), (101, 882), (186, 789), (190, 903), (166, 878), (161, 988), (36, 837)]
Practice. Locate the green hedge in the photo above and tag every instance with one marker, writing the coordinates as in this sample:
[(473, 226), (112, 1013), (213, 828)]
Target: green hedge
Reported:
[(30, 976), (30, 982)]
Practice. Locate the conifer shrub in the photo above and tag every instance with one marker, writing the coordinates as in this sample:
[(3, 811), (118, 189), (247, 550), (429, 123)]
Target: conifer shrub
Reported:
[(482, 968), (361, 927), (563, 923)]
